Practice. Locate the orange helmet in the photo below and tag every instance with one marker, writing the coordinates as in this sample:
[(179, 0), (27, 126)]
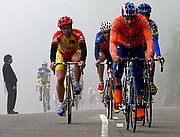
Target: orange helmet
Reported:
[(64, 21)]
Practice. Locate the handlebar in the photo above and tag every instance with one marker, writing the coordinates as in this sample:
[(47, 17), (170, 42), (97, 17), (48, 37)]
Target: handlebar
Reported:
[(69, 63), (162, 60)]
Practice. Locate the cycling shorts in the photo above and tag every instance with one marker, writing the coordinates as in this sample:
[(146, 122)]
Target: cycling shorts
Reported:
[(65, 57)]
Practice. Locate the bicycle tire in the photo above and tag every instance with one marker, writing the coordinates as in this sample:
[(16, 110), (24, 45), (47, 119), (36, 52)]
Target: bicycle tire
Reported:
[(44, 102), (105, 96), (111, 97), (148, 106), (68, 95), (133, 106), (126, 110)]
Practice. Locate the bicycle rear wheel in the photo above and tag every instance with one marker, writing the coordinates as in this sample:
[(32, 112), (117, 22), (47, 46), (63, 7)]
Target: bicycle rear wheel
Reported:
[(148, 105)]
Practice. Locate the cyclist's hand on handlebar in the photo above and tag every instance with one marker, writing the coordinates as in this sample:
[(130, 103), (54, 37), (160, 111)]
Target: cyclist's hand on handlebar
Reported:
[(97, 62), (82, 64), (159, 58), (117, 59), (52, 66), (148, 57)]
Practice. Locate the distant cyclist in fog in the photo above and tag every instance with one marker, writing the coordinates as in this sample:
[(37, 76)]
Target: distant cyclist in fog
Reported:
[(44, 76)]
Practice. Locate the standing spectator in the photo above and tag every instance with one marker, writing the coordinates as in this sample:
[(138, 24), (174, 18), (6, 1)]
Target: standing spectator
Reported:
[(10, 80)]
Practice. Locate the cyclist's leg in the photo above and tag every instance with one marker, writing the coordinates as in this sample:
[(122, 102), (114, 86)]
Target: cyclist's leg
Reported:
[(60, 74), (48, 97), (118, 72), (100, 68), (40, 90), (152, 85), (76, 58), (138, 72)]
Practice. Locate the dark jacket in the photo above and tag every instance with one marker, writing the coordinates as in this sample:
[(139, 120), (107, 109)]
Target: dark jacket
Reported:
[(9, 75)]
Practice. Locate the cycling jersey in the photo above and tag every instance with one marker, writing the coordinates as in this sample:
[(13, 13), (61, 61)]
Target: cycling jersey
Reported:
[(44, 74), (101, 45), (155, 35), (68, 45), (130, 37)]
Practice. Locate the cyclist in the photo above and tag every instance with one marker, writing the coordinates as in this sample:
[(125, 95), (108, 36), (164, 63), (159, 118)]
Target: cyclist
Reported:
[(101, 51), (145, 9), (126, 38), (44, 76), (69, 44), (92, 97)]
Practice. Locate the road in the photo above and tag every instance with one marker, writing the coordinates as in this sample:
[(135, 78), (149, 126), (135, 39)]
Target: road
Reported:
[(88, 123)]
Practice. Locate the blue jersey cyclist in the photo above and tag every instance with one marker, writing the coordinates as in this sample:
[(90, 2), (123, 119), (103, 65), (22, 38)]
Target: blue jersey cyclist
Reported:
[(101, 51), (44, 76), (145, 9)]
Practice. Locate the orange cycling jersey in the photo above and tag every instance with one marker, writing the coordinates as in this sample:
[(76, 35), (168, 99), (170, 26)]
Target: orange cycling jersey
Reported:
[(131, 36), (68, 44)]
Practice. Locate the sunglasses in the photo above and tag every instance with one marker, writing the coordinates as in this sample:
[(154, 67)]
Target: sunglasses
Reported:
[(105, 32)]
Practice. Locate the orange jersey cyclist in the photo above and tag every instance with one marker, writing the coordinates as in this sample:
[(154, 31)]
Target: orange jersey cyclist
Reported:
[(101, 51), (69, 45), (126, 38)]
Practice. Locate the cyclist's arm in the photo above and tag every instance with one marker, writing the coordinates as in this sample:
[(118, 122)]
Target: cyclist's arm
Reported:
[(83, 51), (54, 48), (96, 50), (156, 45), (149, 39), (113, 40)]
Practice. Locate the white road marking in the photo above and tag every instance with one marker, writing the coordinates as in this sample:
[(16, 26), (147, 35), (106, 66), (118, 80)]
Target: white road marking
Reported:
[(104, 129), (119, 125), (116, 118)]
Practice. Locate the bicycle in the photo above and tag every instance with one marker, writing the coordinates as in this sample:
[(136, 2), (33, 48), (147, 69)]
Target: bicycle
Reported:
[(70, 97), (129, 90), (44, 97), (107, 97), (147, 96)]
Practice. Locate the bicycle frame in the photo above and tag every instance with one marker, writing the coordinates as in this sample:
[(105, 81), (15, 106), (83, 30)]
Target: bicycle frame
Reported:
[(69, 100), (44, 98), (130, 96), (107, 98), (147, 96)]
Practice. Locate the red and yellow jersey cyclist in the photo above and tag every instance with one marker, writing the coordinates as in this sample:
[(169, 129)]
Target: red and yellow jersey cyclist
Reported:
[(145, 9), (69, 45), (101, 51), (126, 39)]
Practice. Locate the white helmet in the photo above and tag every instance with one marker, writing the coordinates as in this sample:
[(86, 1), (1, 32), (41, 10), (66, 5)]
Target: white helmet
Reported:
[(90, 88), (105, 25), (44, 63)]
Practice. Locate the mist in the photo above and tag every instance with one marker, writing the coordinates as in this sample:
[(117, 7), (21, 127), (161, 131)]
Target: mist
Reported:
[(27, 27)]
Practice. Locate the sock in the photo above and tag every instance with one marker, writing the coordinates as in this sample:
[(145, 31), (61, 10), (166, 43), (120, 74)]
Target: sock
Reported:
[(118, 86)]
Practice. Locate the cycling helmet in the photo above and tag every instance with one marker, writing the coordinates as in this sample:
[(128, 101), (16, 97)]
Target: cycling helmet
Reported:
[(44, 63), (64, 21), (105, 25), (128, 9), (144, 8), (90, 88)]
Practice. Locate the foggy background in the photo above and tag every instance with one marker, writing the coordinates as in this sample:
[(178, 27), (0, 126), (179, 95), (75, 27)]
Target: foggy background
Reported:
[(27, 27)]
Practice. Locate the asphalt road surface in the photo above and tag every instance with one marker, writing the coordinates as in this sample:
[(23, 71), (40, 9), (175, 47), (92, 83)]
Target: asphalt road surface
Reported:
[(88, 123)]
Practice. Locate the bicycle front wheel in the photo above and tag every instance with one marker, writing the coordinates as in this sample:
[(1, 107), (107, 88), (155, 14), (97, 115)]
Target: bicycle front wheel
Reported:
[(68, 98), (44, 102), (133, 106)]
